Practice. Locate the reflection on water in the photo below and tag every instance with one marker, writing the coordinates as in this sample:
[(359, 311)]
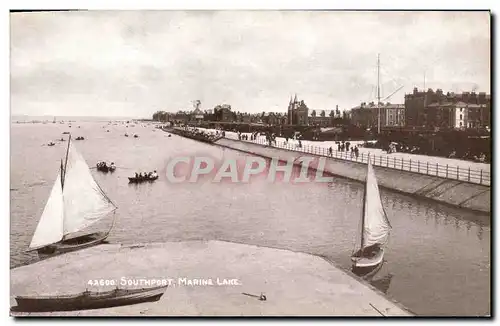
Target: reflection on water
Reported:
[(382, 284), (376, 276), (437, 259)]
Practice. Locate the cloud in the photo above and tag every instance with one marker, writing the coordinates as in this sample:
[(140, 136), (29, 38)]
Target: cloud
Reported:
[(136, 62)]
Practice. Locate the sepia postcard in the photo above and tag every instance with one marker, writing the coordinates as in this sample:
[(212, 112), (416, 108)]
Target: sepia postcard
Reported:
[(180, 163)]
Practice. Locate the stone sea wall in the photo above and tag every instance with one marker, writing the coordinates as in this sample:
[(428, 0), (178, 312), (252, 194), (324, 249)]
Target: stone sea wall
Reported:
[(457, 193)]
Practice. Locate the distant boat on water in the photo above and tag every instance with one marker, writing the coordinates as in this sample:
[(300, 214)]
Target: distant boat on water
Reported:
[(375, 227), (75, 203)]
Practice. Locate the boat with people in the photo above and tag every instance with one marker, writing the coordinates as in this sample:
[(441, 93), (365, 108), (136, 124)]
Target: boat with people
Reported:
[(65, 132), (195, 134), (136, 136), (51, 144), (143, 177), (88, 299), (104, 167), (79, 138), (76, 202), (375, 228)]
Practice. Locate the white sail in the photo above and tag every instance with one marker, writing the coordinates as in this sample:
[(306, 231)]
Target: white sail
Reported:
[(84, 201), (376, 227), (50, 227)]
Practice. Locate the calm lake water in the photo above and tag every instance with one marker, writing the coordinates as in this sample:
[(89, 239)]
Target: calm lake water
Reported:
[(438, 259)]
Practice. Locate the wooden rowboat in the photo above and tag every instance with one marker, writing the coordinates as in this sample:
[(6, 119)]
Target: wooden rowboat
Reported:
[(88, 300), (139, 180)]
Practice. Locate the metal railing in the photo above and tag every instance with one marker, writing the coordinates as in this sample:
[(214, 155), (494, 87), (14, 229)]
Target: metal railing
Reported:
[(444, 171)]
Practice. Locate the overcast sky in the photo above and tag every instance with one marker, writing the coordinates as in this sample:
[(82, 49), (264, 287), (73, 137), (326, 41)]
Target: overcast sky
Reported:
[(133, 63)]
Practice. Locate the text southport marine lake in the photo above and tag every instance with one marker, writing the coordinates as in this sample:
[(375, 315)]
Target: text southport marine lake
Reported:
[(180, 281)]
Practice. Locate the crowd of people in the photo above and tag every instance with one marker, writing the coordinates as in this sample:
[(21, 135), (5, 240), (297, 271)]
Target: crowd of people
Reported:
[(345, 146), (146, 176), (244, 137), (465, 153), (200, 134), (103, 166)]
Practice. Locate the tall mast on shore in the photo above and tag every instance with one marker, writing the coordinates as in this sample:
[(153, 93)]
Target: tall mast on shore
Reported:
[(378, 90)]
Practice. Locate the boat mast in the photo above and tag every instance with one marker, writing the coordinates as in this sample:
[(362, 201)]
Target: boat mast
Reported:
[(66, 163), (62, 176), (378, 90), (364, 208)]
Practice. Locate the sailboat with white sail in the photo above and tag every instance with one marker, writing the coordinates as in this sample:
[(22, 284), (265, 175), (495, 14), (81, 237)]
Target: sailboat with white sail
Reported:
[(75, 203), (375, 226)]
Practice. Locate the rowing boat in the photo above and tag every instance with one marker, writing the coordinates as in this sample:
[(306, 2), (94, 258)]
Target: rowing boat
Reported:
[(88, 299)]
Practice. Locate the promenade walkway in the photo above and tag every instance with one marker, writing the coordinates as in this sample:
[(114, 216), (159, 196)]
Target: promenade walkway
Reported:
[(453, 169)]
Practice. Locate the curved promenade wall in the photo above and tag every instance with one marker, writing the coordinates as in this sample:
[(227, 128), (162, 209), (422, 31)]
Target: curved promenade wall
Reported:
[(457, 193)]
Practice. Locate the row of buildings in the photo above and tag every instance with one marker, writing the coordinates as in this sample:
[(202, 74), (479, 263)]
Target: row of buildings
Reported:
[(298, 114), (427, 109), (453, 110)]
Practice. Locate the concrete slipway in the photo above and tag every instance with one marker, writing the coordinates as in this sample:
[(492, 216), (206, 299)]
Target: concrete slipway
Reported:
[(295, 284)]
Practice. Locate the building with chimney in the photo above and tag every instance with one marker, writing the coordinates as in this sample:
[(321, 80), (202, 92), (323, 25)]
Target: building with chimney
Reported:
[(298, 112), (321, 118), (224, 113), (275, 118), (366, 115), (434, 109)]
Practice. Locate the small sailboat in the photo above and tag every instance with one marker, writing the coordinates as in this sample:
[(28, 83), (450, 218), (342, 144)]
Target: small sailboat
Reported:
[(375, 227), (75, 203)]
